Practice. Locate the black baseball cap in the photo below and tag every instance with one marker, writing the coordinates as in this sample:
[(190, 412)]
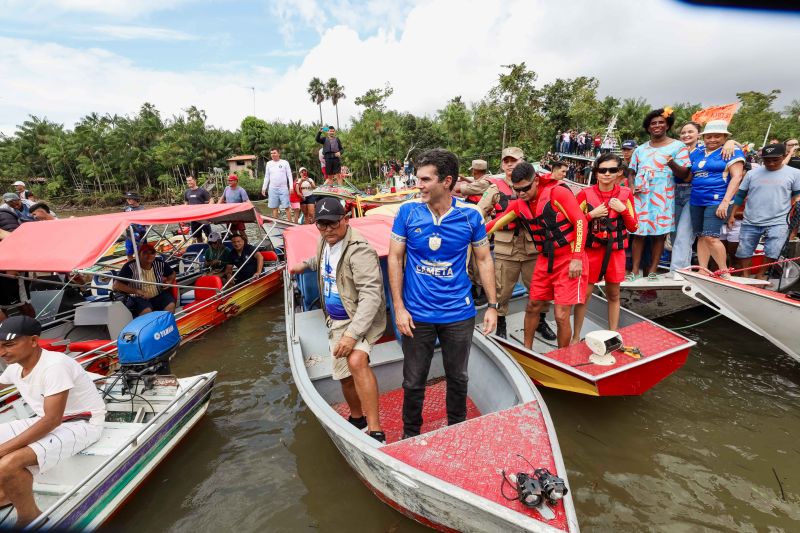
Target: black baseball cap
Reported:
[(132, 195), (629, 144), (329, 208), (773, 150), (19, 326)]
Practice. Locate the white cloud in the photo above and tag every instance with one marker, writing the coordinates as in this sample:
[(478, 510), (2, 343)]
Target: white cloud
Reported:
[(141, 33), (659, 49)]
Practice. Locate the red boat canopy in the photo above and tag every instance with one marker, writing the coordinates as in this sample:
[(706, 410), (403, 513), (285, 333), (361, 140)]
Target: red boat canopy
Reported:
[(71, 244), (301, 241)]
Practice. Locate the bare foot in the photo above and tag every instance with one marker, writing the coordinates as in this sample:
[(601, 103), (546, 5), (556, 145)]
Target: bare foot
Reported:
[(573, 340)]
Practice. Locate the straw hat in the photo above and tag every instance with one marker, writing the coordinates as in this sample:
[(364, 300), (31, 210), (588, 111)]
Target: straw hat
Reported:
[(716, 126)]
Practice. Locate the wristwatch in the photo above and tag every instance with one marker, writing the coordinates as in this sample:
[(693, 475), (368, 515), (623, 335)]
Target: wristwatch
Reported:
[(492, 306)]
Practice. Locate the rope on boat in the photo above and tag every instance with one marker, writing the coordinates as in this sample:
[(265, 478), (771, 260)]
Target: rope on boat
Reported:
[(718, 273), (697, 323)]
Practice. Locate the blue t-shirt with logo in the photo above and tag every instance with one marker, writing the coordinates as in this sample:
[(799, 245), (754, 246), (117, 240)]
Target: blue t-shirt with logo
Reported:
[(333, 302), (710, 177), (436, 287)]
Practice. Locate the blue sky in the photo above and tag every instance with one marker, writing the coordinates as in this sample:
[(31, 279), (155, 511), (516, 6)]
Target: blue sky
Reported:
[(66, 58)]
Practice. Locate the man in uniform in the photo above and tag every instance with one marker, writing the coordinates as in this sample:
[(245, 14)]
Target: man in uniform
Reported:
[(514, 252), (472, 190)]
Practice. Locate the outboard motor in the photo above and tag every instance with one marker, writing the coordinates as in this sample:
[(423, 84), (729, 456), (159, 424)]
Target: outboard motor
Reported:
[(145, 346)]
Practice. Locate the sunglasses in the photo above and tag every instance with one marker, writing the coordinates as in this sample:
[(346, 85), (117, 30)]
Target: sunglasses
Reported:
[(327, 224), (522, 189), (608, 170)]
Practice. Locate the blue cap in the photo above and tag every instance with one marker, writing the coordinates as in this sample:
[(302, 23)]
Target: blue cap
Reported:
[(629, 144)]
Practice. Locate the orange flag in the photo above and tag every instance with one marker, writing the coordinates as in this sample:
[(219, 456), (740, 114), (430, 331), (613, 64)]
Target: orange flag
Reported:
[(719, 112)]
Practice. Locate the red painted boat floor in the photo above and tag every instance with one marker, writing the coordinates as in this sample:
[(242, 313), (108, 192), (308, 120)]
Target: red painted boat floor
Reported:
[(649, 338), (472, 454), (434, 411)]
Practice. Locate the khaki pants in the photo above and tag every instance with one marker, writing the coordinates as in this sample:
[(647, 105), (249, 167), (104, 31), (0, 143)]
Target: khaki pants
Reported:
[(507, 272)]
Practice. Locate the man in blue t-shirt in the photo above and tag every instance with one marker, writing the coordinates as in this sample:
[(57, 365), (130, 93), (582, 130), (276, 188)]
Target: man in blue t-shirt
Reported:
[(769, 191), (428, 253)]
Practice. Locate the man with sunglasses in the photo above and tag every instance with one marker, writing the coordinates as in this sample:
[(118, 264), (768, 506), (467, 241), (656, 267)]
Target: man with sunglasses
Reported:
[(514, 251), (351, 293), (550, 212)]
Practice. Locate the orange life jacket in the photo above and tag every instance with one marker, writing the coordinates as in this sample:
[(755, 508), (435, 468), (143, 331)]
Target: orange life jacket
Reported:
[(610, 231), (502, 206), (549, 227)]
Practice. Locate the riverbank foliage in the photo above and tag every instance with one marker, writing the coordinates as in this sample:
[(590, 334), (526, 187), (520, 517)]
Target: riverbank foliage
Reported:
[(104, 155)]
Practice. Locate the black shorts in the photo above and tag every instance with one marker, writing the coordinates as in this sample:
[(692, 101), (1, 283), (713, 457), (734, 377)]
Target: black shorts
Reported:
[(309, 200), (137, 304), (333, 166), (205, 229)]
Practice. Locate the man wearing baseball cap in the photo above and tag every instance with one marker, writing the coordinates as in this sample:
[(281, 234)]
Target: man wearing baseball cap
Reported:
[(23, 193), (217, 256), (145, 292), (352, 298), (10, 216), (514, 251), (771, 191), (69, 413), (473, 190)]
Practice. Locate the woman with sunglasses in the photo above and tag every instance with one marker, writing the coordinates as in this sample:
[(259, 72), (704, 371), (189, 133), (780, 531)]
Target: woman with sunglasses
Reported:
[(609, 210)]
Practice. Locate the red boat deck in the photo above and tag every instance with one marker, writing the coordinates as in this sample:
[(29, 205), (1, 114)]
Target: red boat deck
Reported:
[(651, 340), (434, 411), (471, 455)]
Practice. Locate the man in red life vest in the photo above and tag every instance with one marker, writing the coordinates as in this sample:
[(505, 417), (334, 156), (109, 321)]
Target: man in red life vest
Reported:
[(611, 216), (550, 212), (514, 250)]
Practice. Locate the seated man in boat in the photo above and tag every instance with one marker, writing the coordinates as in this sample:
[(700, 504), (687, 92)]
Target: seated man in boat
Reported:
[(248, 262), (550, 212), (349, 274), (69, 413), (217, 257), (148, 296), (430, 244)]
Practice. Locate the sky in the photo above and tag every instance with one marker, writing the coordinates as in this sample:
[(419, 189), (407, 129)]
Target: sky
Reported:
[(63, 59)]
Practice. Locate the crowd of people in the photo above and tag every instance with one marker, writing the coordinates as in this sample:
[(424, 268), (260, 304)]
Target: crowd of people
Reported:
[(581, 143)]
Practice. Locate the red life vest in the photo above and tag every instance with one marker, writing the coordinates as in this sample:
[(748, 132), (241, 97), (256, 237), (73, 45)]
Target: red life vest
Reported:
[(610, 231), (473, 198), (549, 227), (502, 206)]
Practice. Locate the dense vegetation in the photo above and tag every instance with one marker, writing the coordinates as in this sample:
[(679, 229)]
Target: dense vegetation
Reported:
[(102, 156)]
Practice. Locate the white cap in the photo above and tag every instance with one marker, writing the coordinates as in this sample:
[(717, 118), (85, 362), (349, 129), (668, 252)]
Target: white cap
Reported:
[(19, 183)]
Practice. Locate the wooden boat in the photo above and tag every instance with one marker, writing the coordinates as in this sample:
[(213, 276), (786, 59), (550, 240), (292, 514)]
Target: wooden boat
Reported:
[(662, 353), (771, 314), (448, 477), (88, 331)]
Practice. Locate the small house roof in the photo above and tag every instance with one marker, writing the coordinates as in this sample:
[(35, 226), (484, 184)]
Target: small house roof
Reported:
[(241, 158)]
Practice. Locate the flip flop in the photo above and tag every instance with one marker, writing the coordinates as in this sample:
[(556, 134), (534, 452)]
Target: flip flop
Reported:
[(652, 276)]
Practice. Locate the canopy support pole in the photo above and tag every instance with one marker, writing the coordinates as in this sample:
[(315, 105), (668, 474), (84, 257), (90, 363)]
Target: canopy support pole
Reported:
[(136, 249)]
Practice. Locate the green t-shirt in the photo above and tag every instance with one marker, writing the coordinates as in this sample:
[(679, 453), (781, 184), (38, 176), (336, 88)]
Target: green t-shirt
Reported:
[(217, 259)]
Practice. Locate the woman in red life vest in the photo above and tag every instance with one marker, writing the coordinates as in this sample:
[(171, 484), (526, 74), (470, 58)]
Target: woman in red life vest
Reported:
[(611, 216)]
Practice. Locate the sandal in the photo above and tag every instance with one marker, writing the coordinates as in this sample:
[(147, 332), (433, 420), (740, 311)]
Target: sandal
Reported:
[(652, 276), (630, 277)]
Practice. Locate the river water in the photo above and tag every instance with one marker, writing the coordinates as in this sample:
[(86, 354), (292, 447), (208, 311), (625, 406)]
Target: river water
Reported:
[(707, 449)]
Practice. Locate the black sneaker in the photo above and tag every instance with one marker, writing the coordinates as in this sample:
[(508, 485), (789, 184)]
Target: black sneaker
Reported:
[(360, 423), (500, 331), (544, 329), (379, 436)]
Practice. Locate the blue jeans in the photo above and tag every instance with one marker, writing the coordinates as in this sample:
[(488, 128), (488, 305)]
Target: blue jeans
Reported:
[(456, 340), (683, 237), (705, 221), (564, 147), (750, 235)]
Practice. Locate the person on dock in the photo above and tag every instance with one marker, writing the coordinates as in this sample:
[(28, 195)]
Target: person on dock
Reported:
[(514, 251), (248, 262), (611, 217), (550, 212), (659, 164), (770, 191), (217, 257), (133, 203), (305, 187), (430, 244), (69, 413), (234, 194), (278, 184), (195, 195), (352, 298), (332, 153), (144, 292)]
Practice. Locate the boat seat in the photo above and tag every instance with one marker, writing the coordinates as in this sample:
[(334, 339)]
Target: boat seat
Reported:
[(205, 288), (114, 434), (471, 455), (309, 288), (113, 315), (269, 256)]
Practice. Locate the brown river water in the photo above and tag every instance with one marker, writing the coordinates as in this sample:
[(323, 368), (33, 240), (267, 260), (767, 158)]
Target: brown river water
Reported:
[(707, 449)]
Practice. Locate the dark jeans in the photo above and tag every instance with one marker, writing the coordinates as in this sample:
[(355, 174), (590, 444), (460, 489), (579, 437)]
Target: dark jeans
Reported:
[(455, 339)]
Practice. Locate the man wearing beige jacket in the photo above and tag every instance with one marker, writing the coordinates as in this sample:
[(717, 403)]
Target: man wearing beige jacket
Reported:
[(352, 298)]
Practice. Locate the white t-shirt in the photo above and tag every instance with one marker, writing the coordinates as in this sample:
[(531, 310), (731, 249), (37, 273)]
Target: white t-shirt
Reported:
[(54, 373), (278, 176), (330, 260)]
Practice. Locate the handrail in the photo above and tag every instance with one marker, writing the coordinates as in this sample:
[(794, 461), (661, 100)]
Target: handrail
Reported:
[(41, 519)]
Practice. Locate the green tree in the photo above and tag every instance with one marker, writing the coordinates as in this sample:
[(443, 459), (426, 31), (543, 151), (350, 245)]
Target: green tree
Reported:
[(334, 92), (316, 90)]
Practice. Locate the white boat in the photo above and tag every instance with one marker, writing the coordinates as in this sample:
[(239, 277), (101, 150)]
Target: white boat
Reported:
[(449, 477), (773, 315)]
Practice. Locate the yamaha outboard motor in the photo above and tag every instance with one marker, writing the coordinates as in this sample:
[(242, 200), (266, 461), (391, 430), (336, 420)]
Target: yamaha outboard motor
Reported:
[(146, 345)]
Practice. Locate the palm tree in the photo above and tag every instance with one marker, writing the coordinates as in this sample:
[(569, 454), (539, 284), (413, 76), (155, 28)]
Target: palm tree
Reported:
[(316, 90), (334, 92)]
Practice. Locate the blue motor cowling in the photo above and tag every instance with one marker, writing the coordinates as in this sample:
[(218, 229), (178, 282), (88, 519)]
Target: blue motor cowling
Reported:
[(148, 340)]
